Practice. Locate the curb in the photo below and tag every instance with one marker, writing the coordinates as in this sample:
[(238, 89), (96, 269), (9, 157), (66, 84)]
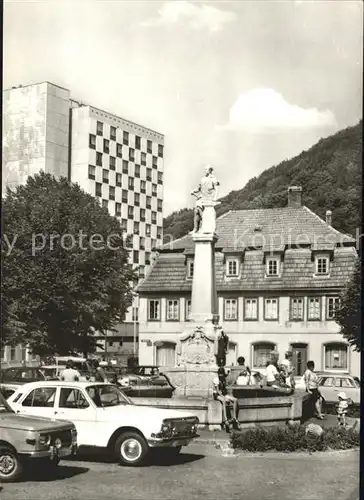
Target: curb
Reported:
[(216, 442)]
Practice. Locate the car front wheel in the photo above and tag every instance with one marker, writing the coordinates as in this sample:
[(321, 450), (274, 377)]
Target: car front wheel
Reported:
[(10, 465), (131, 449)]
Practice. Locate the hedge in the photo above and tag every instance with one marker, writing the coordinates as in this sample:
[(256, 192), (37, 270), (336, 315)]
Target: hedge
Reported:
[(294, 438)]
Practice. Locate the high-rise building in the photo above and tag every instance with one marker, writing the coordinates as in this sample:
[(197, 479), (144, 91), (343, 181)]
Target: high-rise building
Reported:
[(35, 132), (121, 163), (111, 158)]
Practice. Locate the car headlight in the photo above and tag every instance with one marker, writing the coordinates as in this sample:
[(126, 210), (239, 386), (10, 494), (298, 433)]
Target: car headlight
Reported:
[(166, 429), (58, 443), (45, 439), (124, 381), (74, 436)]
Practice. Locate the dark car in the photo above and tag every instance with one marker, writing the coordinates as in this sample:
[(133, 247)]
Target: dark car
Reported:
[(146, 381), (25, 374), (11, 378)]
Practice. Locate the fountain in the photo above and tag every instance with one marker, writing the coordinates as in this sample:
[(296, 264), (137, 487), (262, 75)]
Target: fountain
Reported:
[(201, 347)]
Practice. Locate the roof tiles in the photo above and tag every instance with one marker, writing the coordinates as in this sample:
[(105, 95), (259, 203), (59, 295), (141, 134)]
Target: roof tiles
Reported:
[(279, 229)]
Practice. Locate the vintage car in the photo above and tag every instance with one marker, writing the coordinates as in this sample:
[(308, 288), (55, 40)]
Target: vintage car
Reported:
[(12, 378), (107, 418), (330, 384), (145, 381), (22, 375), (26, 438)]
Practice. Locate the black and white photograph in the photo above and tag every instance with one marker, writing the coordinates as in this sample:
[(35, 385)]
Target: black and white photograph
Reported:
[(181, 247)]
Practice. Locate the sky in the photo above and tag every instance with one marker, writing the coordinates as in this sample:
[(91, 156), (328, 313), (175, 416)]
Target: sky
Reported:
[(239, 85)]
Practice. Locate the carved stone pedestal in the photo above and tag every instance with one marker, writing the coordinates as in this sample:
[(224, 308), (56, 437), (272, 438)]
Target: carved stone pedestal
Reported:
[(196, 365)]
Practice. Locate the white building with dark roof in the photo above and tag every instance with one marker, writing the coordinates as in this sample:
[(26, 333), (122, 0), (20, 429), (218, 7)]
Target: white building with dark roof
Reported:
[(279, 276)]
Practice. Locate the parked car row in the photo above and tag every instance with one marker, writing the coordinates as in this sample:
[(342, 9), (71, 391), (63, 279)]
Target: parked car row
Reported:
[(105, 417), (139, 381)]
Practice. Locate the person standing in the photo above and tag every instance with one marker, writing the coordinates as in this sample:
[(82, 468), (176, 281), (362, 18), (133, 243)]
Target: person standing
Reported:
[(289, 369), (69, 374), (311, 381), (98, 373), (222, 348)]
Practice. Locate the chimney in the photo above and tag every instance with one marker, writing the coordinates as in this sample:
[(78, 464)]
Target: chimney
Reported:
[(329, 217), (294, 197)]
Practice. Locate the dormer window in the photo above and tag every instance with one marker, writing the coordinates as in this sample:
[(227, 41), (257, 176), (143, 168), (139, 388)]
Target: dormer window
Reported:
[(232, 267), (322, 264), (190, 267), (273, 266)]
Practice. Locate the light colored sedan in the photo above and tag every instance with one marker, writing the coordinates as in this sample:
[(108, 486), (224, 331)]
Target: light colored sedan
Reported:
[(104, 417), (331, 384)]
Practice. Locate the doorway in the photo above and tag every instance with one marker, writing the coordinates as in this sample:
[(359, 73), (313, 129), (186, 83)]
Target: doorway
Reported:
[(299, 358)]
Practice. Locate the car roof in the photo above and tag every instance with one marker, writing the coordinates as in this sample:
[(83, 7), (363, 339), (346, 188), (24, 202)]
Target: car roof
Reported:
[(60, 383), (22, 368)]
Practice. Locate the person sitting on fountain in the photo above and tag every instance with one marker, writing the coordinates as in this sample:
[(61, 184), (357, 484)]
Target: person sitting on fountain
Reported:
[(271, 372), (237, 371), (220, 394)]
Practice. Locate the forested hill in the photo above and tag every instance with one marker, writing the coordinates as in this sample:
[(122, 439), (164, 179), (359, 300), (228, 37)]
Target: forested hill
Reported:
[(330, 174)]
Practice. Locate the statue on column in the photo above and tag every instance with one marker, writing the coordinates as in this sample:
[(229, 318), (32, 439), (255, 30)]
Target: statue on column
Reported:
[(207, 190)]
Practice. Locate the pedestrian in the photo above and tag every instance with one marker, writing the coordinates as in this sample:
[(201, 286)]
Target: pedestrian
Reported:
[(220, 394), (288, 369), (222, 348), (97, 373), (311, 381), (69, 374), (271, 372), (342, 408), (236, 371)]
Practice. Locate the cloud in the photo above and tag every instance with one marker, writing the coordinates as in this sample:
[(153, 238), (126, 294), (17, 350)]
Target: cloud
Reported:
[(196, 16), (265, 110)]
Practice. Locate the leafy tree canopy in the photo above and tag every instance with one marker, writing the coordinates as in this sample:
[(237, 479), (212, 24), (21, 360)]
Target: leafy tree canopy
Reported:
[(65, 268), (349, 314), (330, 176)]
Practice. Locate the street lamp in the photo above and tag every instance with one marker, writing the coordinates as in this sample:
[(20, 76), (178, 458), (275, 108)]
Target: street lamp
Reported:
[(135, 311)]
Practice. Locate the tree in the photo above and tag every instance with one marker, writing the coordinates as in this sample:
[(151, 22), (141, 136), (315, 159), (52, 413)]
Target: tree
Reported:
[(328, 173), (348, 315), (65, 269)]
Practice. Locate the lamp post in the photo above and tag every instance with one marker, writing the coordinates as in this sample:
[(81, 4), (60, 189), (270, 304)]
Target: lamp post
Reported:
[(135, 311)]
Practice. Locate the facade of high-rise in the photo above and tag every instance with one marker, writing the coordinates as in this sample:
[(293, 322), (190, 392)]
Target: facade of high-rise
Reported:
[(111, 158), (35, 132)]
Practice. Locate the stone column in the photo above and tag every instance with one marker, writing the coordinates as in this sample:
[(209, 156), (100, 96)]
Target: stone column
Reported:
[(196, 364), (204, 304)]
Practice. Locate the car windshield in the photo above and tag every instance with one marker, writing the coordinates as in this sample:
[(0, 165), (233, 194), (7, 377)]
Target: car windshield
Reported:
[(4, 405), (107, 395), (357, 381)]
